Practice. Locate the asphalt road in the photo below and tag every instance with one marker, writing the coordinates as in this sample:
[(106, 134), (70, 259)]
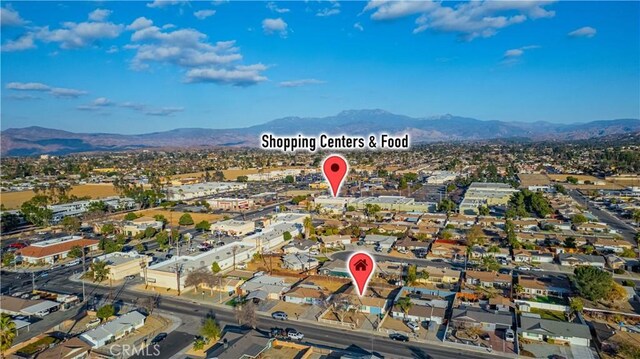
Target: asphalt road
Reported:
[(192, 312), (625, 230)]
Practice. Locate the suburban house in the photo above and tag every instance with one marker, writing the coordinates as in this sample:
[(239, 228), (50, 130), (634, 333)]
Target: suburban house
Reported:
[(240, 345), (488, 279), (380, 241), (264, 287), (555, 286), (448, 250), (410, 244), (300, 246), (371, 305), (541, 257), (467, 317), (114, 329), (578, 259), (610, 245), (426, 305), (307, 294), (74, 348), (440, 275), (553, 330), (420, 314), (299, 261), (335, 241), (54, 250)]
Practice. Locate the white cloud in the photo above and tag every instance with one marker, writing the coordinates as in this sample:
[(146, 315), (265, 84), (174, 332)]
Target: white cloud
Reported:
[(139, 24), (273, 7), (66, 93), (40, 87), (24, 42), (586, 31), (272, 26), (299, 83), (102, 101), (189, 48), (99, 14), (28, 86), (469, 20), (164, 111), (358, 26), (238, 76), (329, 11), (10, 17), (164, 3), (76, 35), (203, 14), (112, 50), (513, 56)]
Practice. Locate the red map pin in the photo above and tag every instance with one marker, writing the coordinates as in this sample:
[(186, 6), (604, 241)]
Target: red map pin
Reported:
[(335, 169), (361, 265)]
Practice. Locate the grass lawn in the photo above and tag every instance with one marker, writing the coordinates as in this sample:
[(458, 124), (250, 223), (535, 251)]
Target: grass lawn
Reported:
[(549, 314), (38, 346), (550, 300)]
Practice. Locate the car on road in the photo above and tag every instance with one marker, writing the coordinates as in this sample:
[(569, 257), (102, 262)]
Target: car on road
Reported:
[(44, 274), (509, 335), (130, 277), (536, 269), (413, 326), (399, 337), (523, 268), (294, 334), (72, 263), (279, 315), (158, 338)]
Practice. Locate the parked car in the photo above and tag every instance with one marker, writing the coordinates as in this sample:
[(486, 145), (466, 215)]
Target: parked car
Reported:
[(158, 338), (294, 334), (130, 277), (509, 335), (279, 315), (413, 326), (536, 269), (277, 333), (241, 266), (485, 336), (399, 337), (523, 268), (402, 251), (93, 322)]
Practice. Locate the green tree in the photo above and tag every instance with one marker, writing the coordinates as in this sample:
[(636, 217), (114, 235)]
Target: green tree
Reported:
[(99, 270), (162, 239), (215, 267), (108, 228), (592, 283), (412, 274), (198, 343), (351, 208), (404, 304), (289, 179), (9, 221), (35, 212), (75, 252), (475, 235), (242, 178), (489, 264), (572, 180), (451, 187), (8, 258), (185, 220), (210, 329), (569, 242), (287, 236), (203, 225), (105, 312), (97, 206), (149, 232), (628, 253), (484, 210), (446, 206), (560, 189), (8, 332), (70, 224), (161, 218), (130, 216), (578, 219)]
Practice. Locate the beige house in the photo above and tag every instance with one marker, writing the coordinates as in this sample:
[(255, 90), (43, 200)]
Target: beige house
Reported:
[(121, 265)]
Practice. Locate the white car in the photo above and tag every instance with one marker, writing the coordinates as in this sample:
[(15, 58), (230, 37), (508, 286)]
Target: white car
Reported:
[(523, 268), (509, 335), (413, 326), (295, 335), (536, 269), (402, 251)]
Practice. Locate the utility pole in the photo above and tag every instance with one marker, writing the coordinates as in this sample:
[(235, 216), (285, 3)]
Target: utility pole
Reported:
[(33, 281), (178, 268), (83, 273)]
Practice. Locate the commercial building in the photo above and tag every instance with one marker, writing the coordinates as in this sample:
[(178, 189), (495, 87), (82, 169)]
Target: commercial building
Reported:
[(233, 227), (28, 307), (56, 249), (121, 265), (388, 203), (139, 225), (190, 191), (485, 194), (77, 208), (441, 177), (232, 204)]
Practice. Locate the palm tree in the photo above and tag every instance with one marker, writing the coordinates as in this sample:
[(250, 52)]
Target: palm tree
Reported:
[(405, 305), (308, 224), (100, 271), (8, 333)]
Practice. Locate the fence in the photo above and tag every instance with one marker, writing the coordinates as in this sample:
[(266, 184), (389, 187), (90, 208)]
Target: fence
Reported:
[(545, 306)]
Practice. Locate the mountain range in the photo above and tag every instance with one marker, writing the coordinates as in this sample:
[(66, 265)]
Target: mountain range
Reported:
[(38, 140)]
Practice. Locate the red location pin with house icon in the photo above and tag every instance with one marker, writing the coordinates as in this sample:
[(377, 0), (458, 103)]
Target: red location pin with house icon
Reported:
[(335, 170), (361, 265)]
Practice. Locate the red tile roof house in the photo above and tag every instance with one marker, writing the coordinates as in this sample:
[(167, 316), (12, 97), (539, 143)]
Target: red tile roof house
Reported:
[(54, 250)]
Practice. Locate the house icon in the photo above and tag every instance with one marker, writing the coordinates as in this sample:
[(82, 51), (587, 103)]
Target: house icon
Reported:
[(361, 265)]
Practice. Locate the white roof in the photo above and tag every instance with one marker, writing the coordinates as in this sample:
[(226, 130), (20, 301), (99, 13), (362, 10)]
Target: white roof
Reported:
[(40, 307)]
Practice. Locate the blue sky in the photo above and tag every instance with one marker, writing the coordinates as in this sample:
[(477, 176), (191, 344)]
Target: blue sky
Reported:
[(140, 67)]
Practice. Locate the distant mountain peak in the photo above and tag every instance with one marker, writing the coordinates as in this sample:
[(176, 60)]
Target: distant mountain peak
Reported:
[(363, 112)]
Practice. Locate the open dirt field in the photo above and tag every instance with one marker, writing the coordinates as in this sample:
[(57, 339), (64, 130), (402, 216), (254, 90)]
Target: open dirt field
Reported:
[(174, 217), (13, 200)]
